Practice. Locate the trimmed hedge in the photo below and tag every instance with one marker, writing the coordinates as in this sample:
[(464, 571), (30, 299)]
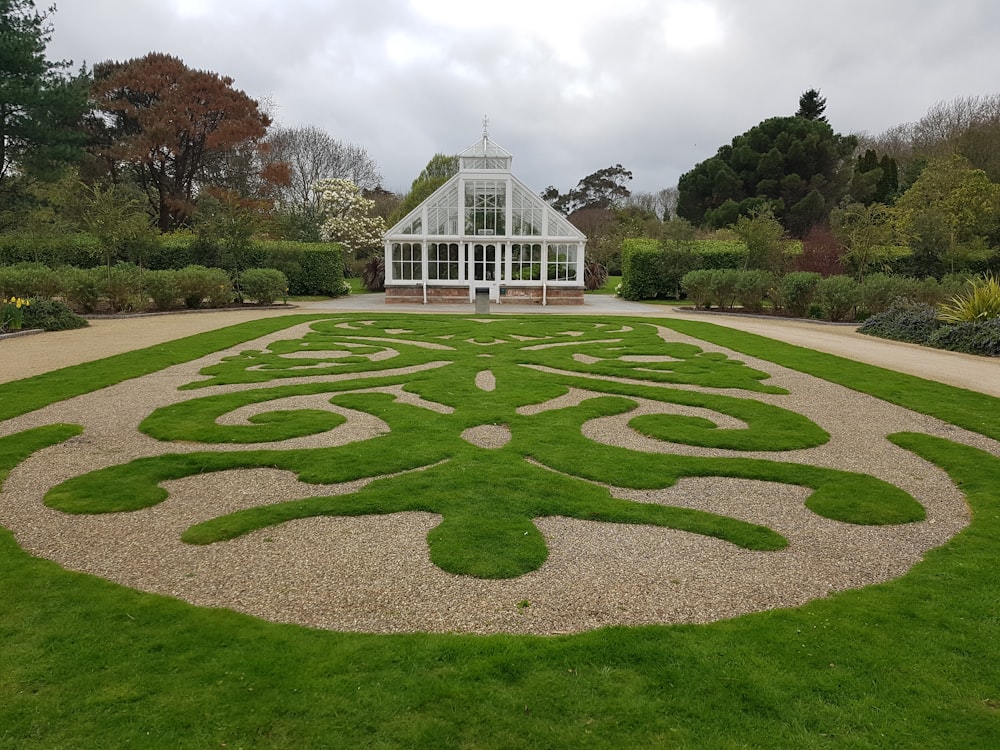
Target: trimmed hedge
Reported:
[(311, 268), (80, 250), (653, 270)]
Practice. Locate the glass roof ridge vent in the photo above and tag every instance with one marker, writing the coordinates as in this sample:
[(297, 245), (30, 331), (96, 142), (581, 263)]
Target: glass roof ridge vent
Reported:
[(485, 155)]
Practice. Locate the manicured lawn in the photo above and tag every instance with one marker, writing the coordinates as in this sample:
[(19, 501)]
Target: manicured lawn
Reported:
[(906, 664)]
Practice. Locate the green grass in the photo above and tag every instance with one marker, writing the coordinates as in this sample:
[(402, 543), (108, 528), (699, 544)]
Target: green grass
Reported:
[(357, 287), (609, 286), (85, 663)]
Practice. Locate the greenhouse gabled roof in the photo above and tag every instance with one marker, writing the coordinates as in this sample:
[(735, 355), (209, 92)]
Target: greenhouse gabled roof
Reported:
[(484, 183)]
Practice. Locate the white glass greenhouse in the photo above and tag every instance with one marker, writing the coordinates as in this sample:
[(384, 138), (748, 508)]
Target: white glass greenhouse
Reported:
[(484, 231)]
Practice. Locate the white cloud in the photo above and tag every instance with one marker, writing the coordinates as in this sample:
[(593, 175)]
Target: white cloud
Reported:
[(656, 85), (691, 26)]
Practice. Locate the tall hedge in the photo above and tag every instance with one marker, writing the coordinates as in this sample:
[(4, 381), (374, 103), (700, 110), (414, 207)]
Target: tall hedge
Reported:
[(311, 268), (653, 269), (80, 250), (640, 271)]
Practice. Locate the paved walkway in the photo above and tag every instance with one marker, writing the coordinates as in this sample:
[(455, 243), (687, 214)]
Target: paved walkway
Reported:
[(30, 355)]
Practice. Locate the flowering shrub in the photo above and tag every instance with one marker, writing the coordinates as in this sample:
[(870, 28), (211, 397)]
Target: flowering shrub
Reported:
[(347, 216), (12, 313)]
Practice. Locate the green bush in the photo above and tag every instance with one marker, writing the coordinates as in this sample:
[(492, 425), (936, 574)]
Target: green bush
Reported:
[(926, 291), (698, 286), (721, 254), (82, 287), (795, 292), (311, 267), (879, 291), (198, 284), (71, 249), (724, 281), (977, 337), (753, 287), (28, 279), (640, 279), (51, 315), (172, 252), (914, 322), (122, 287), (836, 296), (264, 285), (163, 287)]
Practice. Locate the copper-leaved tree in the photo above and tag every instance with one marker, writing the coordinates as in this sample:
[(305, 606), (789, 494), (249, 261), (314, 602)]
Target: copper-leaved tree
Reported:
[(166, 124)]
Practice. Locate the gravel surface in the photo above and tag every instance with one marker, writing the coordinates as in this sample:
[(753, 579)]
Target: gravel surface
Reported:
[(374, 574)]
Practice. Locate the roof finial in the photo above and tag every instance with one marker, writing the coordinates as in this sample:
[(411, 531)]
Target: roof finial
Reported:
[(486, 127)]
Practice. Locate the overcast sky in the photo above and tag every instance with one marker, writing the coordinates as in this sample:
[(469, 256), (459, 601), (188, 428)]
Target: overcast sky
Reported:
[(570, 87)]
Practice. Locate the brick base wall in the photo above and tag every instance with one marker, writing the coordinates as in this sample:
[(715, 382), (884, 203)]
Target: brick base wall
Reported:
[(518, 295)]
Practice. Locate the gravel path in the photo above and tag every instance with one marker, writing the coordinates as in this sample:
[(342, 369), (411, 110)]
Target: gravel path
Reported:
[(373, 574)]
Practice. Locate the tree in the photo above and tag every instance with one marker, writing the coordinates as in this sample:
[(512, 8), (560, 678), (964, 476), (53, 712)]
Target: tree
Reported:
[(165, 122), (812, 106), (605, 188), (438, 171), (968, 126), (347, 216), (795, 165), (762, 234), (865, 233), (40, 107), (661, 204), (949, 211), (313, 155)]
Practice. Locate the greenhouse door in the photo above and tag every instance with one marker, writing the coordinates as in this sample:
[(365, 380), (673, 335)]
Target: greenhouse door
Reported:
[(487, 267)]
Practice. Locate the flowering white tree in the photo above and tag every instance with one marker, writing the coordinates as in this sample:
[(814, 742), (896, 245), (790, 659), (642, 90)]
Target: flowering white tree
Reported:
[(346, 216)]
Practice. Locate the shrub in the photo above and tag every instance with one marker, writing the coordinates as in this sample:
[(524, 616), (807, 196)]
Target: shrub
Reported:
[(698, 286), (953, 284), (163, 288), (836, 296), (373, 274), (752, 287), (264, 284), (795, 292), (595, 275), (724, 282), (675, 260), (879, 291), (914, 322), (71, 249), (198, 283), (51, 315), (640, 278), (311, 267), (721, 254), (981, 301), (82, 287), (122, 287), (926, 291), (976, 337), (28, 279)]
